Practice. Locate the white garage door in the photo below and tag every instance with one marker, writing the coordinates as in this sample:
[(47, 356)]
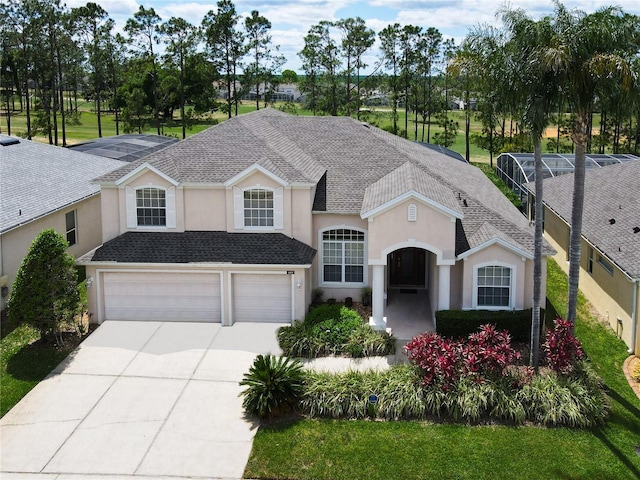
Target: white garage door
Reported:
[(162, 296), (261, 298)]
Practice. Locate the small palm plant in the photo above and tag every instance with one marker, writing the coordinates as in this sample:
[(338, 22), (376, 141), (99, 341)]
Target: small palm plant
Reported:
[(274, 386)]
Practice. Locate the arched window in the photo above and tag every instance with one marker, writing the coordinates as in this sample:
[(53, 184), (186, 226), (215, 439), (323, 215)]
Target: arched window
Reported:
[(343, 256)]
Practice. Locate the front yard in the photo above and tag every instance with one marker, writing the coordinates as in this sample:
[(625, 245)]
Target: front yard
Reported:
[(329, 449)]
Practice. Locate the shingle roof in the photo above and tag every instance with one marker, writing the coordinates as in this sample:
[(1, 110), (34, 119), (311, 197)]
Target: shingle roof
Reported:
[(203, 247), (36, 179), (342, 157), (611, 193), (404, 179)]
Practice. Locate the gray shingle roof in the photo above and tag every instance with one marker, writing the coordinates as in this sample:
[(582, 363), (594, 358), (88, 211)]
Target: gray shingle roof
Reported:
[(610, 193), (36, 179), (404, 179), (203, 247), (342, 157)]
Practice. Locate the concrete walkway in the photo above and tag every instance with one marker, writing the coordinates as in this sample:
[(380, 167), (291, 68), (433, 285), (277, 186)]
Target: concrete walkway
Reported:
[(140, 400)]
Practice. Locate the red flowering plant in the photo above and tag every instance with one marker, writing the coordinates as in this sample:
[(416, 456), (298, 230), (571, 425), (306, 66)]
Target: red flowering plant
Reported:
[(439, 359), (562, 348), (488, 353)]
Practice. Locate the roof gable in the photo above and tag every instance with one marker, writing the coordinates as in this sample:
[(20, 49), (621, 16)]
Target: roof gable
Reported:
[(408, 181), (251, 170), (140, 169)]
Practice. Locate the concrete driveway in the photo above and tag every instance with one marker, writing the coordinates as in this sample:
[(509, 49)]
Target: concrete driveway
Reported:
[(141, 400)]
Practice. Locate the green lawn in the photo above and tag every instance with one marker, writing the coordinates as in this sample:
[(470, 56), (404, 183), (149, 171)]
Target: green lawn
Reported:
[(24, 361), (326, 449)]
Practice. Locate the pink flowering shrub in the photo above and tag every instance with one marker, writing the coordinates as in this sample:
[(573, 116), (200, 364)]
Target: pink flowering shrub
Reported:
[(562, 349), (488, 352), (439, 359), (442, 361)]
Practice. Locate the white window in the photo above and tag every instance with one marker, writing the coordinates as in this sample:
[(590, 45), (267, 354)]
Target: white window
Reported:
[(343, 256), (258, 208), (71, 227), (493, 286), (151, 207)]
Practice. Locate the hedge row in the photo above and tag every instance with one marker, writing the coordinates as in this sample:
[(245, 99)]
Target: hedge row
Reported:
[(460, 323)]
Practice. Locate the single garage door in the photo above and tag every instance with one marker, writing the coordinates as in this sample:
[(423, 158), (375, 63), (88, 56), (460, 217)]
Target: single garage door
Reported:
[(261, 298), (162, 296)]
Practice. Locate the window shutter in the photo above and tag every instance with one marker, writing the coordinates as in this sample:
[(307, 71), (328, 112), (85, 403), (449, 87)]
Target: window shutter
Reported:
[(238, 208), (130, 203), (278, 208), (170, 197)]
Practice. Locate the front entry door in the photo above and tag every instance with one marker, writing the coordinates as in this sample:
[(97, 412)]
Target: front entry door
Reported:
[(407, 268)]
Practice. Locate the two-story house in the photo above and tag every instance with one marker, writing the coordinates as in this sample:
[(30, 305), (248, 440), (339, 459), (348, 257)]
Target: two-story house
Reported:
[(242, 221)]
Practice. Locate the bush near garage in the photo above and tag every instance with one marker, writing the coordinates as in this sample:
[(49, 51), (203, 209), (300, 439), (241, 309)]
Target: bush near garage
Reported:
[(333, 330)]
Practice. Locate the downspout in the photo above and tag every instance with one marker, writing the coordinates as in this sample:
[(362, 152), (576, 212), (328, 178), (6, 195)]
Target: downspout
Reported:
[(634, 315)]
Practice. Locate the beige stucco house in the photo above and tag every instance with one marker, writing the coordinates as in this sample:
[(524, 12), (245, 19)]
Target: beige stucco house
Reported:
[(41, 187), (610, 250), (242, 221)]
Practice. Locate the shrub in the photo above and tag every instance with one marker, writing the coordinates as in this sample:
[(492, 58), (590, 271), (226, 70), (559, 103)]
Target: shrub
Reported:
[(488, 352), (44, 292), (346, 395), (438, 359), (366, 342), (635, 374), (333, 329), (559, 400), (461, 323), (562, 348), (274, 386)]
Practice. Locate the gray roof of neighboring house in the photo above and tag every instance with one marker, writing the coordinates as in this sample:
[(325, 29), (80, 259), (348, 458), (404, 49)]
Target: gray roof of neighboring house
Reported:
[(342, 157), (611, 193), (203, 247), (37, 179), (126, 148)]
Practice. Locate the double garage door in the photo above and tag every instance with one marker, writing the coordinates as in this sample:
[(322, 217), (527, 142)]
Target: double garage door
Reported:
[(195, 297)]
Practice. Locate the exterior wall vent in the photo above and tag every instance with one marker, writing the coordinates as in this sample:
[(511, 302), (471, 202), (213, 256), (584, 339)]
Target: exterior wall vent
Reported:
[(412, 212)]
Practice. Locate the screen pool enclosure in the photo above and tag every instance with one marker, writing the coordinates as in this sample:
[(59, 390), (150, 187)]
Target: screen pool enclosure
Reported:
[(516, 169)]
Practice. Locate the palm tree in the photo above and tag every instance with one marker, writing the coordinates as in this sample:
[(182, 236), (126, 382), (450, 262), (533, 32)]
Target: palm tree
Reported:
[(528, 51), (587, 52)]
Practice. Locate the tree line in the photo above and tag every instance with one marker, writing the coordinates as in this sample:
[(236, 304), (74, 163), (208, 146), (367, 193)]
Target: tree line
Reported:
[(53, 55)]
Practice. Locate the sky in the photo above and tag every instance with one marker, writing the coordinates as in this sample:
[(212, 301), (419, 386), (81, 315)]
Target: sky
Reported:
[(291, 19)]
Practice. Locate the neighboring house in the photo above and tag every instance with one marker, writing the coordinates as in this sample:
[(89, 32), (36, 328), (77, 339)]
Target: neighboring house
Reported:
[(43, 186), (610, 251), (242, 221)]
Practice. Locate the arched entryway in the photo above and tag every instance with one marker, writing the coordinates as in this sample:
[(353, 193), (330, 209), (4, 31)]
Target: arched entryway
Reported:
[(408, 304)]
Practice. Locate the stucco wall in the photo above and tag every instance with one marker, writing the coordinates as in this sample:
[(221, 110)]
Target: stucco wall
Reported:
[(392, 227), (204, 209), (610, 294), (16, 243)]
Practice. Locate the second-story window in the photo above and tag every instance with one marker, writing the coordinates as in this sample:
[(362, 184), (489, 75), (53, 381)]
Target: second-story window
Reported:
[(258, 208), (151, 207)]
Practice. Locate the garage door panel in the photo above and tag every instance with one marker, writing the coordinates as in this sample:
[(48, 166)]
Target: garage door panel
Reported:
[(262, 298), (162, 296)]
